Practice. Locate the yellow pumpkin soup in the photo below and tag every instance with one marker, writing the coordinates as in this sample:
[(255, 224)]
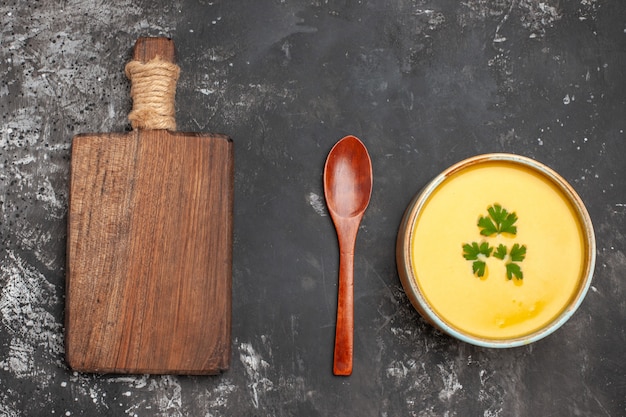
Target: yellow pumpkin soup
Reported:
[(497, 250)]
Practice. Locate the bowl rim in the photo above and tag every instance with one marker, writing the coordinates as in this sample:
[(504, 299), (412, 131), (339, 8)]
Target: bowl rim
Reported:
[(404, 239)]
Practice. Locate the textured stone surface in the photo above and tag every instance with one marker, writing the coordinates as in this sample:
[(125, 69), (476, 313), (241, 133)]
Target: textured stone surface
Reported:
[(424, 84)]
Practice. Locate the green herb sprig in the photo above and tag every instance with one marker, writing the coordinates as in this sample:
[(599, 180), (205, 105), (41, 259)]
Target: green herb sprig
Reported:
[(475, 252), (498, 221)]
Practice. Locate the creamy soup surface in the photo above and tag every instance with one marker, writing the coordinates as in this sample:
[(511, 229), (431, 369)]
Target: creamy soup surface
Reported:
[(494, 306)]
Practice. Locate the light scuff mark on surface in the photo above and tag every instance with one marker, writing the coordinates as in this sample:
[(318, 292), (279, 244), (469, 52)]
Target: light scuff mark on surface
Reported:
[(6, 408), (25, 301), (216, 401), (532, 17), (317, 203), (588, 9), (256, 369), (169, 397), (451, 383), (411, 30)]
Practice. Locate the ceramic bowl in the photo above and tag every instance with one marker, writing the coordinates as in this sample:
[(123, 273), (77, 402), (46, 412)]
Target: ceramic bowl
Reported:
[(455, 284)]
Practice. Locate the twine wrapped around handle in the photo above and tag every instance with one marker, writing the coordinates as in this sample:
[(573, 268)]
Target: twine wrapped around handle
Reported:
[(153, 91)]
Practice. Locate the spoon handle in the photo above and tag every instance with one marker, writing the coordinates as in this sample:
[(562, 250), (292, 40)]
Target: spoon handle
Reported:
[(344, 332)]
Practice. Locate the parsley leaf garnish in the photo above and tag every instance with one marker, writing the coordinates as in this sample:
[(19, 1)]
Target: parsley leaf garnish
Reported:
[(513, 269), (499, 221), (478, 268), (500, 252), (487, 226), (472, 252), (518, 253)]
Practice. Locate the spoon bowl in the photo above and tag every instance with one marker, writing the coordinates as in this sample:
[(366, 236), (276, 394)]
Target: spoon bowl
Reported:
[(348, 184), (348, 178)]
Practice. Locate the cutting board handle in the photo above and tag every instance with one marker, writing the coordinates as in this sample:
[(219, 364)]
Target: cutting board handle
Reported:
[(149, 48), (153, 75)]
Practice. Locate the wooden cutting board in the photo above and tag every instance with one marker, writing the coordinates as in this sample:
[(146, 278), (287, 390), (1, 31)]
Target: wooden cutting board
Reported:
[(149, 256)]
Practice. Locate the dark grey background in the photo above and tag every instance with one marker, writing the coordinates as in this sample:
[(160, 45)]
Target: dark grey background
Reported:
[(424, 84)]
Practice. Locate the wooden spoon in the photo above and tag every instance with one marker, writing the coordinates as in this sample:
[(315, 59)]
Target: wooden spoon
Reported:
[(347, 187)]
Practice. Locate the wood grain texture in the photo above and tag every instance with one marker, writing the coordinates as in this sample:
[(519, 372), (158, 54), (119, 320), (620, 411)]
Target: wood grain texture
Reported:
[(148, 48), (149, 253), (149, 256)]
